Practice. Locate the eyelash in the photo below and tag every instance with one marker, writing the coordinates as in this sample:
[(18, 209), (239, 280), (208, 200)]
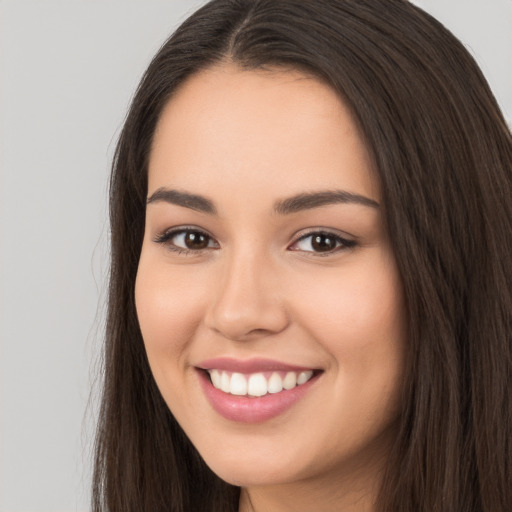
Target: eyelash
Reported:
[(165, 238)]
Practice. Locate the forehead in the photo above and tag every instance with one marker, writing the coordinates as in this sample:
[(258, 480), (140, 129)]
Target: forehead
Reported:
[(273, 132)]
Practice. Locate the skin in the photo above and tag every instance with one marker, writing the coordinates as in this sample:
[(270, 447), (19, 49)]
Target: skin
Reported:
[(244, 140)]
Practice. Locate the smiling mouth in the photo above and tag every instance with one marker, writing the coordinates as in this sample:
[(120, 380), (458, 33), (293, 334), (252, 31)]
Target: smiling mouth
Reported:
[(260, 383)]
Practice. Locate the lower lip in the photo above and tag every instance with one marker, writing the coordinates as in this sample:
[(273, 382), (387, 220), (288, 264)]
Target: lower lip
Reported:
[(244, 409)]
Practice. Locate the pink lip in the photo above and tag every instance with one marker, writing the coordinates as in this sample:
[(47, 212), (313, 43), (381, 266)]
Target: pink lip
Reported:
[(244, 409), (249, 366)]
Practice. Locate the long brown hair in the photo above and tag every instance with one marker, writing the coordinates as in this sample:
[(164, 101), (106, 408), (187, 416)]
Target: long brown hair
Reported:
[(444, 156)]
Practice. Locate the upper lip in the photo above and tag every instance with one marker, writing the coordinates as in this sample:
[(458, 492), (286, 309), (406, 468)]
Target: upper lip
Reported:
[(249, 365)]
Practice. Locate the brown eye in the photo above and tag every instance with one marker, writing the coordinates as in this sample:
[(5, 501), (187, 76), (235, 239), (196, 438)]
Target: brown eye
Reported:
[(320, 242), (186, 241), (195, 240)]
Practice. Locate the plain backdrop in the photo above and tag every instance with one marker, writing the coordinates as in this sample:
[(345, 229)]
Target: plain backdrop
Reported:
[(68, 69)]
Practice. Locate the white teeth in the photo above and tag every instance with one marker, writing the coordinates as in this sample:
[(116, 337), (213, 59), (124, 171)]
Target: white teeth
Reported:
[(238, 385), (304, 377), (290, 381), (256, 384), (216, 380), (275, 383), (225, 382)]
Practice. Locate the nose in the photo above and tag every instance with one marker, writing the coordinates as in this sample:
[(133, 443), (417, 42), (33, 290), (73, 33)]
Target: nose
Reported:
[(247, 303)]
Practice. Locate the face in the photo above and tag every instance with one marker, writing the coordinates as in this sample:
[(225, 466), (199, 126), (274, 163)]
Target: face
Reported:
[(267, 293)]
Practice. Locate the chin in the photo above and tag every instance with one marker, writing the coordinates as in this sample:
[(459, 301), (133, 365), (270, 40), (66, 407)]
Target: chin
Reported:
[(249, 475), (258, 467)]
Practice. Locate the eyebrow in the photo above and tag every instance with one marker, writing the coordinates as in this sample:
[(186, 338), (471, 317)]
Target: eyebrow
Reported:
[(185, 199), (294, 204), (309, 200)]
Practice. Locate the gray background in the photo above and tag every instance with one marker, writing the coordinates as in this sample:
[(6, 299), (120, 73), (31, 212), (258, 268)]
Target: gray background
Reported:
[(68, 69)]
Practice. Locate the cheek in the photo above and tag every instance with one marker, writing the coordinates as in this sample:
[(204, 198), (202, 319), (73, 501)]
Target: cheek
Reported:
[(356, 312), (358, 318), (169, 309)]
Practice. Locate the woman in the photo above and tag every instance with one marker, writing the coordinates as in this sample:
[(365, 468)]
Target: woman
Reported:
[(310, 302)]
